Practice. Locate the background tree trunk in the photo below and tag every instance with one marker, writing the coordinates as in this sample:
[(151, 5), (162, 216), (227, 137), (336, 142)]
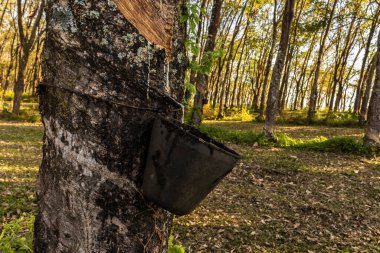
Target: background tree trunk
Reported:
[(278, 69), (94, 148), (229, 63), (268, 64), (359, 90), (369, 81), (202, 79), (314, 88), (372, 131), (26, 43)]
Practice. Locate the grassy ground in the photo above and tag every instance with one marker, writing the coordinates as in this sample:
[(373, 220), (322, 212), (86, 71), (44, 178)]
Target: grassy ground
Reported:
[(302, 132), (20, 155), (276, 200)]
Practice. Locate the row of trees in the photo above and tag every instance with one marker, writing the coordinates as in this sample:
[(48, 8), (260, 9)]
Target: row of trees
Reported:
[(276, 55), (317, 55), (21, 36)]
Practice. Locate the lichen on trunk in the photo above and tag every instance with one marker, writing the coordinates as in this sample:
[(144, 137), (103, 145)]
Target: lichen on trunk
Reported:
[(94, 149)]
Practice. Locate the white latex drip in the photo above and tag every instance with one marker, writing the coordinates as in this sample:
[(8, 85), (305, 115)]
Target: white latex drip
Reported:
[(149, 59), (167, 86)]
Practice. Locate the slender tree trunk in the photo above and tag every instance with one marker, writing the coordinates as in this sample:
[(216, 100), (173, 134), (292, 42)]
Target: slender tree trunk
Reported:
[(193, 74), (26, 42), (102, 81), (3, 14), (238, 66), (335, 78), (359, 90), (285, 82), (268, 66), (257, 83), (229, 63), (278, 69), (202, 81), (303, 73), (36, 65), (217, 86), (314, 89), (9, 69), (344, 81), (350, 38), (19, 85), (367, 93), (372, 130)]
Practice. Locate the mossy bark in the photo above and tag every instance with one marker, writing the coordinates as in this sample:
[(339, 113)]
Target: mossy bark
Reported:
[(94, 149)]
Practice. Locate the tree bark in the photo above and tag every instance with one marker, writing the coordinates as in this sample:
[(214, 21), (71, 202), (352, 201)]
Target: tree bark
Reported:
[(360, 87), (314, 89), (278, 69), (237, 72), (102, 89), (369, 81), (372, 130), (209, 48), (10, 67), (268, 66), (195, 57), (229, 63), (26, 43), (303, 73)]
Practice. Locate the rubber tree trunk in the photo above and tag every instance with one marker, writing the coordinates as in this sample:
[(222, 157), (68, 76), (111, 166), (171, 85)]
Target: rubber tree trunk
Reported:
[(372, 130), (195, 57), (202, 79), (361, 82), (278, 69), (27, 40), (314, 88), (369, 81), (229, 66), (101, 79), (268, 65)]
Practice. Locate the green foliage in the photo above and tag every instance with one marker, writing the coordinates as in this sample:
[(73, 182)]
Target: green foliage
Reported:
[(191, 17), (341, 119), (320, 144), (9, 95), (31, 116), (337, 144), (190, 88), (338, 119), (17, 235), (298, 118), (284, 140), (205, 66), (233, 114), (26, 97), (246, 115), (174, 248), (238, 137)]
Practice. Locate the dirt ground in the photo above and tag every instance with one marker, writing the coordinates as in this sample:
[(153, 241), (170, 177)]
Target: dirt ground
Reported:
[(283, 200)]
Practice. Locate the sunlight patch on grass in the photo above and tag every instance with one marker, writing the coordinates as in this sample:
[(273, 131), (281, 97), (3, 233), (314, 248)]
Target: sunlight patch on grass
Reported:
[(20, 156), (320, 144)]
